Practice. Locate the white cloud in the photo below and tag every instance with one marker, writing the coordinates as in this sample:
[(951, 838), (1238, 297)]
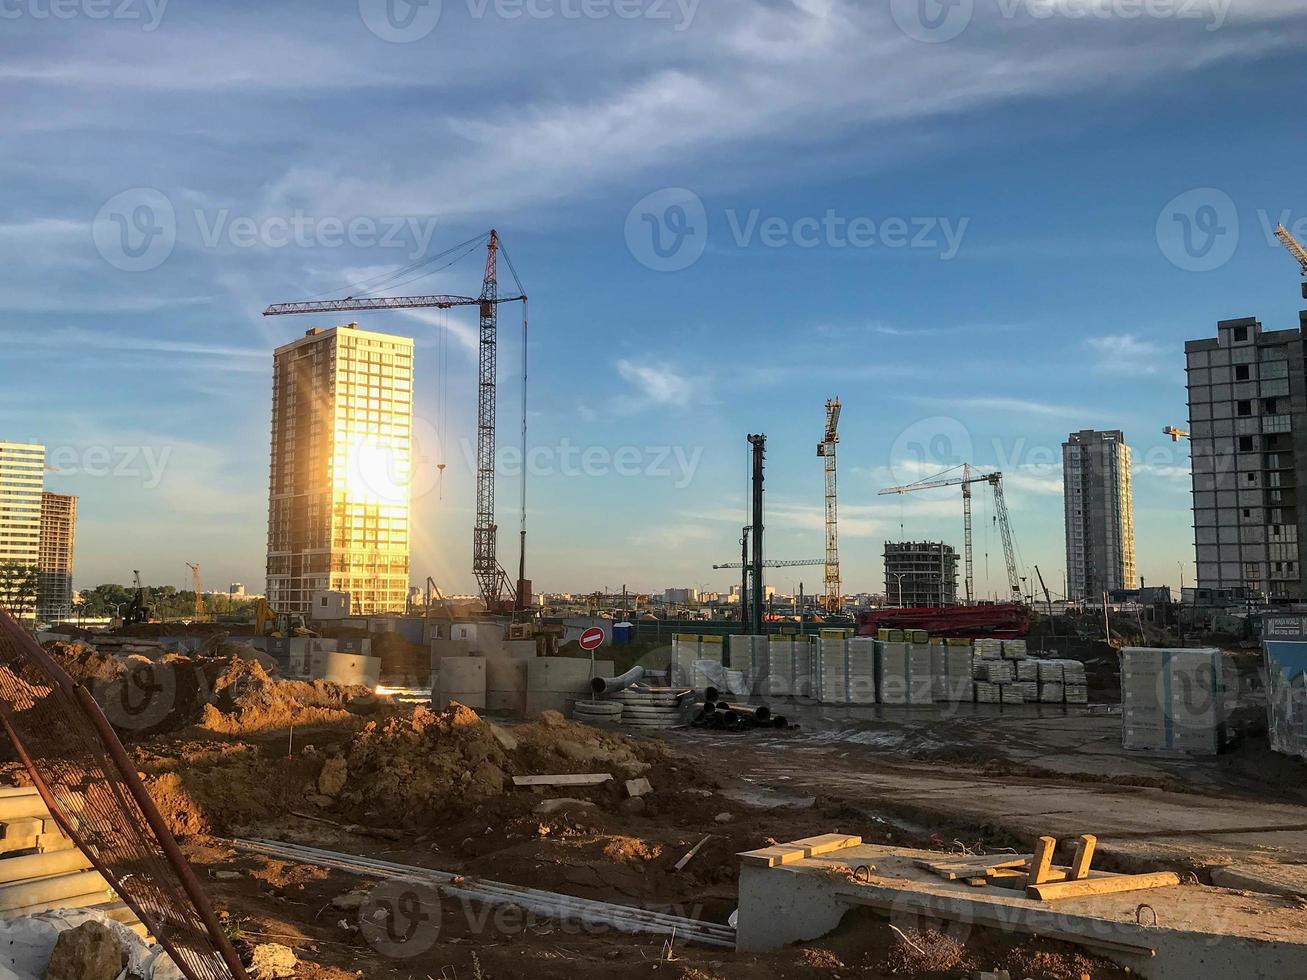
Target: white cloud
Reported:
[(1126, 354), (656, 385)]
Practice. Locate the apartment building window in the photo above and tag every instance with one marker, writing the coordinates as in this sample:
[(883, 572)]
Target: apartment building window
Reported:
[(1269, 406), (1245, 444), (1240, 334), (1245, 407), (1241, 372)]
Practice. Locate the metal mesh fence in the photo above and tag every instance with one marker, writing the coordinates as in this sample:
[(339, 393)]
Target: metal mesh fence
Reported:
[(95, 795)]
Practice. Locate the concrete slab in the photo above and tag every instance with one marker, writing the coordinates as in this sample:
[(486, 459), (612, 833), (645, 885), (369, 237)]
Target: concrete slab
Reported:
[(555, 683), (1201, 931), (461, 679)]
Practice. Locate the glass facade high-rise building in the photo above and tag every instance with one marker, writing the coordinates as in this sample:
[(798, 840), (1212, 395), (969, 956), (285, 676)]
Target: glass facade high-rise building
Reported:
[(1098, 501), (342, 430), (22, 478)]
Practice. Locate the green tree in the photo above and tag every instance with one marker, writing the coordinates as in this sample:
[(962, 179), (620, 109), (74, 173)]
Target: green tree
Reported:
[(18, 588)]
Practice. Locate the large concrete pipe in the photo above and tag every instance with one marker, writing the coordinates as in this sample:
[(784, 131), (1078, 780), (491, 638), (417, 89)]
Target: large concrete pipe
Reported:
[(24, 893), (611, 685), (22, 808), (8, 791), (42, 865)]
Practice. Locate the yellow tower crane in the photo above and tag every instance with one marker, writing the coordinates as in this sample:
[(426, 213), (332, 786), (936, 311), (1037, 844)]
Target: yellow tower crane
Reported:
[(832, 599), (1296, 250), (199, 596)]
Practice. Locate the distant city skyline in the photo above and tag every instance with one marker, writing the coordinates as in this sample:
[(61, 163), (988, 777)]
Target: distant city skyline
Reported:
[(981, 243)]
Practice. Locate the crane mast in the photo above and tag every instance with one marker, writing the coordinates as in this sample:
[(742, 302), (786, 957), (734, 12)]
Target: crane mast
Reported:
[(492, 580), (195, 582), (995, 481), (826, 450)]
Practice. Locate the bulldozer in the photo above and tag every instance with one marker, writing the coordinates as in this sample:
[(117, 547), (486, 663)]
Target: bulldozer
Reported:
[(269, 622)]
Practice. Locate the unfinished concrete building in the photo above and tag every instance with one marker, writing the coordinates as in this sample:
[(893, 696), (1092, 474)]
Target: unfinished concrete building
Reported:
[(921, 573), (1098, 500), (338, 511), (54, 597), (1247, 418)]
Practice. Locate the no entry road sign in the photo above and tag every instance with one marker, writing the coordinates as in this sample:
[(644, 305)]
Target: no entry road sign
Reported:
[(592, 638)]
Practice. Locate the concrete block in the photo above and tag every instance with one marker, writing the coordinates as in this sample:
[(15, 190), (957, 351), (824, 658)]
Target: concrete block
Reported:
[(506, 685), (345, 668), (557, 682), (461, 679)]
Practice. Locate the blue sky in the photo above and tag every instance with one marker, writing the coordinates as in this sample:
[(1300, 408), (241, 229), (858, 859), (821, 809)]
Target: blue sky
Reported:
[(1021, 182)]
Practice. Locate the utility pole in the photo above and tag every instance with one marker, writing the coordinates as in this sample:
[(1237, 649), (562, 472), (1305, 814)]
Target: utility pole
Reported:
[(744, 581), (759, 444)]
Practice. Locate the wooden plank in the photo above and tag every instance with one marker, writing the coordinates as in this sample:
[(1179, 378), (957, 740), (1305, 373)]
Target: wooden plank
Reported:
[(1043, 860), (826, 843), (1107, 885), (564, 779), (1084, 857), (691, 853), (1008, 878), (767, 857)]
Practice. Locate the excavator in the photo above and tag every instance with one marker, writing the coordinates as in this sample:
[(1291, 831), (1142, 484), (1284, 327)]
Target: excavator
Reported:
[(269, 622), (137, 611)]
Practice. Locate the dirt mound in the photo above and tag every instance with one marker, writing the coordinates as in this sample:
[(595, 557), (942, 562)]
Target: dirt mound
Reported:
[(410, 769), (245, 699), (84, 662)]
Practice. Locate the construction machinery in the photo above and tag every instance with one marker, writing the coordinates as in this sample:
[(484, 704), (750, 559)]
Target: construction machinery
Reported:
[(831, 600), (137, 610), (965, 481), (1296, 250), (1175, 434), (498, 593), (199, 595), (769, 563), (269, 622)]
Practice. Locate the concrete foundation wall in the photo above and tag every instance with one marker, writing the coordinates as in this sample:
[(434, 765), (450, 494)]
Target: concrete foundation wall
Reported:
[(558, 682), (345, 668), (461, 679)]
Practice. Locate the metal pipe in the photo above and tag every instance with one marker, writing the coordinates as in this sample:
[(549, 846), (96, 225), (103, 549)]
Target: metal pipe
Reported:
[(711, 694), (759, 712), (611, 685)]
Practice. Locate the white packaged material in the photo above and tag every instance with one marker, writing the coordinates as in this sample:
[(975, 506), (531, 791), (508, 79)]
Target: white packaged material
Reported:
[(1173, 699), (1027, 670), (1076, 693), (1051, 692)]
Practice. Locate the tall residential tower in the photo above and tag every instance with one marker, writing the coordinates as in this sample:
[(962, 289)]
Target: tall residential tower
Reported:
[(1098, 499), (54, 596), (1247, 414), (338, 512), (22, 478)]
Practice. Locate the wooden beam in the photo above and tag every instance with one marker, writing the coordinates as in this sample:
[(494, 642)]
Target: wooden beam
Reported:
[(1102, 886), (1084, 857), (691, 853), (564, 779), (1042, 861), (825, 843)]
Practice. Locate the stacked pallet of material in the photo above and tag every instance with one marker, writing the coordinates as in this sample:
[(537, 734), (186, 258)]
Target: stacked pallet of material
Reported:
[(749, 656), (1014, 649), (988, 648), (1173, 700), (892, 672), (712, 649), (1075, 681), (920, 678), (778, 680), (987, 693), (685, 651), (997, 672), (1054, 692), (1013, 693), (845, 670), (957, 662), (938, 669), (1027, 670), (40, 869), (807, 650), (1029, 690), (861, 660)]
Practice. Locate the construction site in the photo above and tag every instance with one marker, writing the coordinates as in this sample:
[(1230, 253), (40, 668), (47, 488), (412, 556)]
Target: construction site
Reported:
[(357, 782)]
